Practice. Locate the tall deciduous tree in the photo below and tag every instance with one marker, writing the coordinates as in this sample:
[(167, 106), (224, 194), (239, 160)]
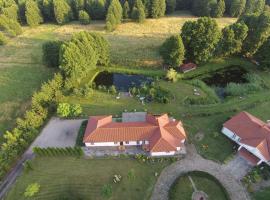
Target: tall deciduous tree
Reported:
[(200, 39), (32, 13), (258, 31), (237, 7), (173, 51), (62, 11), (114, 15)]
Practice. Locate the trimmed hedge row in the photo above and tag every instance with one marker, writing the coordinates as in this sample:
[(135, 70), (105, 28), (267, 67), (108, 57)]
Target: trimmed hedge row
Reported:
[(55, 151)]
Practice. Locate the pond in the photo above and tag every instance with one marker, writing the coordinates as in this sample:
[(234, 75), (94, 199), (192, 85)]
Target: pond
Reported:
[(122, 82), (220, 78)]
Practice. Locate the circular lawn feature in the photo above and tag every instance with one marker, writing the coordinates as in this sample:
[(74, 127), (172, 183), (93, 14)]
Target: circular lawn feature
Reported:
[(206, 188)]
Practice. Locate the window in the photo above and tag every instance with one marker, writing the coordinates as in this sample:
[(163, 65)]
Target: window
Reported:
[(127, 142)]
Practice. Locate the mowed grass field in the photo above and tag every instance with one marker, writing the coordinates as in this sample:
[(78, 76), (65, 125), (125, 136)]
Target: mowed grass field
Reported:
[(78, 178), (132, 45)]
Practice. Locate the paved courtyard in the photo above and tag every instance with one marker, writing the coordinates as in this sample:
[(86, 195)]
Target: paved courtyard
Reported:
[(58, 133)]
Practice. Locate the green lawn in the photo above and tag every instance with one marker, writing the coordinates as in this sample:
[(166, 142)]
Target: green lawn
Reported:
[(262, 195), (84, 178), (182, 189)]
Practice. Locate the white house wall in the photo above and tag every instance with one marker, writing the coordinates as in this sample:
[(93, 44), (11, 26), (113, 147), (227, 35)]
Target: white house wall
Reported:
[(106, 144), (170, 153)]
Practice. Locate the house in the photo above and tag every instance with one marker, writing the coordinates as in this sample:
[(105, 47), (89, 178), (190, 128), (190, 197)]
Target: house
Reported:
[(253, 136), (188, 67), (157, 134)]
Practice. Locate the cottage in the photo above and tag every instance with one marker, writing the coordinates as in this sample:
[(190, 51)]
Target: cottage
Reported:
[(157, 134), (253, 136), (188, 67)]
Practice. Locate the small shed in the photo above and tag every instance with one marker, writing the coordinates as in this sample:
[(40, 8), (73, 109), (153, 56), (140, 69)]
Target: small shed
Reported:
[(188, 67)]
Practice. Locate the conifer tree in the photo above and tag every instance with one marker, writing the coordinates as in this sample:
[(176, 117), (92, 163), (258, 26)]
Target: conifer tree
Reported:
[(218, 9), (114, 15), (138, 11), (158, 8), (62, 11), (32, 13), (126, 10), (237, 7)]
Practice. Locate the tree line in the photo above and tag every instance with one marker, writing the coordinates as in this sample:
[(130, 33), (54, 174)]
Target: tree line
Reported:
[(202, 40)]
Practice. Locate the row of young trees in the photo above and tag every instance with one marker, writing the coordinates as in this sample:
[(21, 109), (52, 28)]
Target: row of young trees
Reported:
[(201, 40)]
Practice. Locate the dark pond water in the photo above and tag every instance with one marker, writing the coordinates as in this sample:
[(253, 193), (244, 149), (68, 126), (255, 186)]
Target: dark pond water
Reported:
[(220, 78), (122, 82)]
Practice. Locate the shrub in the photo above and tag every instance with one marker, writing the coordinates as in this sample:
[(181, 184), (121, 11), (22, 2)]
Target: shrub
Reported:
[(171, 75), (32, 13), (63, 110), (84, 17), (106, 191), (62, 11), (173, 51), (31, 190), (3, 39), (51, 51), (75, 110)]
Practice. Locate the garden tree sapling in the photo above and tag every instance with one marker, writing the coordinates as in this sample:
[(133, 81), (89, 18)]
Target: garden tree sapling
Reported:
[(9, 26), (158, 8), (10, 10), (31, 190), (32, 13), (84, 17), (126, 10), (171, 75), (138, 12), (62, 11), (114, 15)]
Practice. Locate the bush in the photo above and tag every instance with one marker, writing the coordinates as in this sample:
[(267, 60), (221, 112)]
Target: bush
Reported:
[(3, 39), (62, 11), (75, 110), (51, 51), (63, 110), (84, 17), (31, 190), (32, 13), (106, 191), (171, 75), (173, 51)]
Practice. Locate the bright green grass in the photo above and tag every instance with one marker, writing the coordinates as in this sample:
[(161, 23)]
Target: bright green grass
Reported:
[(84, 178), (182, 188)]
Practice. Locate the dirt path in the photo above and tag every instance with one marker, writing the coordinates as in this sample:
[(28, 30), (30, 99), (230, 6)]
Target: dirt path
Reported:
[(194, 162)]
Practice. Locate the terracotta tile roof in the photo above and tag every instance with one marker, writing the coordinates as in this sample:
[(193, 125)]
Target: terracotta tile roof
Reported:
[(252, 131), (248, 156), (188, 66), (162, 134)]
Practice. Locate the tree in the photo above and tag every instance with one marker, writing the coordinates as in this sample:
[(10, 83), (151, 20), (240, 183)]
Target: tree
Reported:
[(31, 190), (32, 13), (237, 7), (62, 11), (171, 75), (158, 8), (63, 110), (11, 11), (173, 51), (200, 39), (47, 10), (75, 110), (96, 8), (126, 10), (114, 15), (9, 26), (254, 6), (77, 6), (258, 32), (84, 17), (201, 8), (263, 54), (51, 51), (3, 39), (138, 13), (218, 9), (232, 39), (170, 6)]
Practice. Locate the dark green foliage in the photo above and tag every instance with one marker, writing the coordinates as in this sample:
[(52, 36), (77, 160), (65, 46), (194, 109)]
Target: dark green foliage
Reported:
[(32, 13), (84, 17), (232, 39), (138, 11), (11, 11), (79, 140), (200, 39), (126, 10), (3, 39), (254, 6), (10, 27), (114, 15), (62, 11), (258, 32), (237, 7), (158, 8), (170, 6), (51, 151), (218, 9), (51, 53), (173, 51), (47, 10), (201, 7), (77, 6), (263, 54), (96, 8)]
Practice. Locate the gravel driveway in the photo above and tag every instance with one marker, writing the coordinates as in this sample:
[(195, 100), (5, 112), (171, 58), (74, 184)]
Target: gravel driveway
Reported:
[(58, 133)]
